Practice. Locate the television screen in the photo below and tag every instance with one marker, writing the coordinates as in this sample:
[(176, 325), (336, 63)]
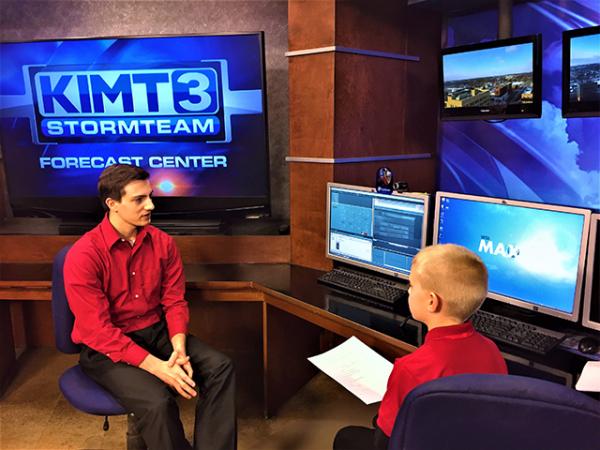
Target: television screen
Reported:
[(381, 232), (581, 72), (189, 109), (535, 253), (591, 299), (492, 80)]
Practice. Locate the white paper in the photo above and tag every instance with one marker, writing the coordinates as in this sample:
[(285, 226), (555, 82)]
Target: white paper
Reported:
[(358, 368), (589, 380)]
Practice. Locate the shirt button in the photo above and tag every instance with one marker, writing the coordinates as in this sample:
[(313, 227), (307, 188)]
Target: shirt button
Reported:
[(122, 240), (132, 273), (136, 295)]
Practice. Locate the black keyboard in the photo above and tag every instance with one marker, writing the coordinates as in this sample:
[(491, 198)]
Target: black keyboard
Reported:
[(517, 333), (383, 291)]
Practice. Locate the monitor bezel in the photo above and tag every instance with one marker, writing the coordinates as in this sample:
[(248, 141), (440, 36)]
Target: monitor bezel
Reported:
[(589, 277), (573, 109), (413, 195), (574, 315), (188, 207), (534, 110)]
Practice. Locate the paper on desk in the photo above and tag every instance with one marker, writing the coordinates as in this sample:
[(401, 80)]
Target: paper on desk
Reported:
[(589, 380), (356, 367)]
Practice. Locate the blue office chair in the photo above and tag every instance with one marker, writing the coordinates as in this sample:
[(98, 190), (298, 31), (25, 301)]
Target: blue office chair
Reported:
[(496, 412), (79, 389)]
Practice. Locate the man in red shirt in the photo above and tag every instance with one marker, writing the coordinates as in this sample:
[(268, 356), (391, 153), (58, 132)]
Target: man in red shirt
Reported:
[(125, 285), (448, 283)]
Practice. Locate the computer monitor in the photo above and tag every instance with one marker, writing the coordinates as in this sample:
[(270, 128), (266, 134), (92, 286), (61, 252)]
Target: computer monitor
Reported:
[(381, 232), (534, 252), (591, 298)]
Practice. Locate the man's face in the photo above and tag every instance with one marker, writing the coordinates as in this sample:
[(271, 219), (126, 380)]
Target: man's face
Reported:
[(136, 205)]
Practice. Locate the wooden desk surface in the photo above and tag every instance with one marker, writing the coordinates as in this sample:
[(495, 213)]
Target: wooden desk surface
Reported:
[(293, 289), (285, 313)]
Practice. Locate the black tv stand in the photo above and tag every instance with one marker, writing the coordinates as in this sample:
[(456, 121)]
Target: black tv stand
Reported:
[(189, 227), (72, 228), (173, 227)]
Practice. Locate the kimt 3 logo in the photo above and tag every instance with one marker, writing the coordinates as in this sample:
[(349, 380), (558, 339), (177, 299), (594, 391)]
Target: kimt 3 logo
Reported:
[(123, 105), (486, 245)]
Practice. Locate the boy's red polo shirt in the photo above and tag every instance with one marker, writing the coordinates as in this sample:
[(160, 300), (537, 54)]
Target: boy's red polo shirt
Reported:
[(450, 350)]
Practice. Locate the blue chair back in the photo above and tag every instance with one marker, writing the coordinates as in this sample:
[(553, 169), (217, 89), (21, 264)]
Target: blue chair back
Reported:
[(496, 412), (61, 313)]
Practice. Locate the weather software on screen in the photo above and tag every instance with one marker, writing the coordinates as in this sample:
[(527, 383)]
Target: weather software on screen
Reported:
[(531, 254), (382, 231)]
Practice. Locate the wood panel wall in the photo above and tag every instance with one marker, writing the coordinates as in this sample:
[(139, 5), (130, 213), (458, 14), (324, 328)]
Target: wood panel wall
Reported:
[(345, 105)]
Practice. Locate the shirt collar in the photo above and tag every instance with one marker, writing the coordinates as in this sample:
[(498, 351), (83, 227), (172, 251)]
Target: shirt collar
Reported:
[(111, 236), (460, 331)]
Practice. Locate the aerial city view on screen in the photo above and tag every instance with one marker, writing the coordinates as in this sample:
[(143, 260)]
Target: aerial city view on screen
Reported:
[(585, 69), (493, 77)]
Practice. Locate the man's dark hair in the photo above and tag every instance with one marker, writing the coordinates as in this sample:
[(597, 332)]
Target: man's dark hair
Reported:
[(113, 180)]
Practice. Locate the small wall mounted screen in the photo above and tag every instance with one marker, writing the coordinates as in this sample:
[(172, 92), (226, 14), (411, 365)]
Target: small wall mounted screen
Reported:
[(581, 72), (378, 231), (535, 253), (492, 80)]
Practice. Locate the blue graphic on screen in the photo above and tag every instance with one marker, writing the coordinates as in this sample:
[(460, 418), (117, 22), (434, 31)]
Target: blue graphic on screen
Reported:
[(551, 159), (381, 231), (531, 254), (189, 109)]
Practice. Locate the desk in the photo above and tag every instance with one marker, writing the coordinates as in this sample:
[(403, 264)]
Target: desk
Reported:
[(271, 317)]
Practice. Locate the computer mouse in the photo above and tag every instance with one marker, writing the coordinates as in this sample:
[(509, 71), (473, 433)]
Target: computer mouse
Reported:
[(588, 345)]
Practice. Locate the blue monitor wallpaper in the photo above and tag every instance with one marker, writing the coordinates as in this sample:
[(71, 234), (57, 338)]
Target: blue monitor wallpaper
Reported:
[(190, 109), (531, 254), (550, 159)]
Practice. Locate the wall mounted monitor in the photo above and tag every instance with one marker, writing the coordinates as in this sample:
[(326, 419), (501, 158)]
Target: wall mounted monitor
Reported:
[(581, 72), (189, 109), (492, 80), (591, 298), (381, 232), (535, 253)]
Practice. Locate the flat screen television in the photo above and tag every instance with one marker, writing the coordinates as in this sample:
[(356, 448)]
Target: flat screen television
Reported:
[(534, 253), (492, 80), (380, 232), (581, 72), (591, 297), (189, 109)]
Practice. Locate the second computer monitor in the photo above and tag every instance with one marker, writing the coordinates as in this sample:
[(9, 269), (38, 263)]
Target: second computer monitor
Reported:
[(534, 252), (591, 299), (381, 232)]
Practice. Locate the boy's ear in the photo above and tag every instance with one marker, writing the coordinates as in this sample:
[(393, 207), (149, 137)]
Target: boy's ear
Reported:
[(434, 303)]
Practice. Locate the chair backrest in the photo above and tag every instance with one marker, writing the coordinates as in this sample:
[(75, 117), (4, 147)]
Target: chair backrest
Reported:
[(496, 412), (61, 314)]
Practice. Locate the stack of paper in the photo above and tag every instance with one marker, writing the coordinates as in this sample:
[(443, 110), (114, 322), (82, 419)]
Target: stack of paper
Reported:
[(356, 367), (590, 377)]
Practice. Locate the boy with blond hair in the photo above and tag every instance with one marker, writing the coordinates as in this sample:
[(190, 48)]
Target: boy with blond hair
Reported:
[(448, 283)]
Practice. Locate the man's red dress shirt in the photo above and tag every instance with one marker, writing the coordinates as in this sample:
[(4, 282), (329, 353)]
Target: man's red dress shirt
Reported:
[(114, 288), (450, 350)]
